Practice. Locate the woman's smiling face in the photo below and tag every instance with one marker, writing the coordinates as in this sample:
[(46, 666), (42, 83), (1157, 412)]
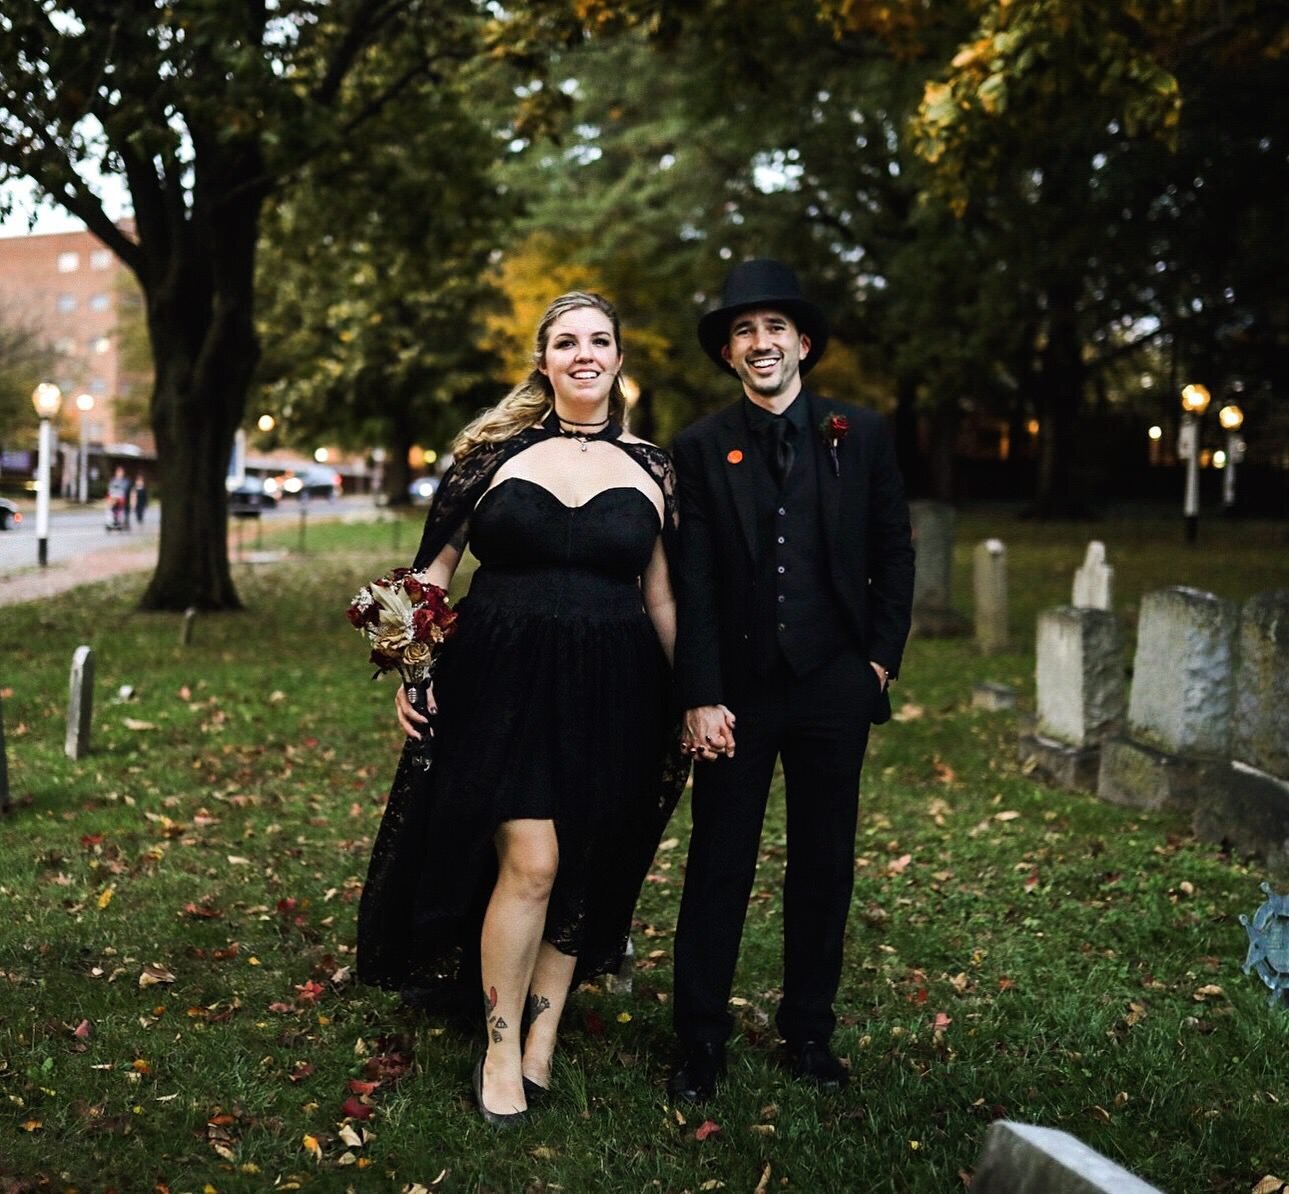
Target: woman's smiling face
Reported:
[(582, 357)]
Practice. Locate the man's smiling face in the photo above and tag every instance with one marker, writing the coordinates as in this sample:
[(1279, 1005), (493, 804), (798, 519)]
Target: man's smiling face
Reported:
[(765, 349)]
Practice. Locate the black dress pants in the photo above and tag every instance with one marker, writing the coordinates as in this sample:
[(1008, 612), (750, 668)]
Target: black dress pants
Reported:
[(819, 725)]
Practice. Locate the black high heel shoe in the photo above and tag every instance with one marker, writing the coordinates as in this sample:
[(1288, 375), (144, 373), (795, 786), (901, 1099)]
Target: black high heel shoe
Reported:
[(497, 1119), (535, 1093)]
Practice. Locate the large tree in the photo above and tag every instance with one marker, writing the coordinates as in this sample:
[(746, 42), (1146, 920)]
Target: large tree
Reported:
[(204, 108)]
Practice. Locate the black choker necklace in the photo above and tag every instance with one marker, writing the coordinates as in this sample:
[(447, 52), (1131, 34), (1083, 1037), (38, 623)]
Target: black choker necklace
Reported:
[(572, 429), (575, 423)]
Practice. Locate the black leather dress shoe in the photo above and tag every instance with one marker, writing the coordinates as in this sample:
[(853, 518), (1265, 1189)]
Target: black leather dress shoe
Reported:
[(701, 1069), (815, 1063)]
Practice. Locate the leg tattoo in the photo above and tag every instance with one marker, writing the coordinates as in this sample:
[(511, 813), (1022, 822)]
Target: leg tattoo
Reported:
[(536, 1005), (495, 1022)]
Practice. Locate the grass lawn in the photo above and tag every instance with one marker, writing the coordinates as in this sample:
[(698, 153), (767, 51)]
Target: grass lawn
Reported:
[(177, 1011)]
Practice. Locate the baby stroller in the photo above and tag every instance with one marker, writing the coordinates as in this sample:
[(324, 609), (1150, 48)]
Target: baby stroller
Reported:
[(118, 513)]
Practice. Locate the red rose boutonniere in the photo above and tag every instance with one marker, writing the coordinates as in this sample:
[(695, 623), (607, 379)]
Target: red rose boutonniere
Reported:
[(834, 429)]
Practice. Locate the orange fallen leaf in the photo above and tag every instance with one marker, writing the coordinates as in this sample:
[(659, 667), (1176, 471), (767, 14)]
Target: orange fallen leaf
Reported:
[(709, 1127), (31, 1125), (312, 1147), (83, 1030)]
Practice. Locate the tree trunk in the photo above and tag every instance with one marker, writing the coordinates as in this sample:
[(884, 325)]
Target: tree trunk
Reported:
[(1059, 390), (398, 472), (908, 453), (944, 438), (200, 301)]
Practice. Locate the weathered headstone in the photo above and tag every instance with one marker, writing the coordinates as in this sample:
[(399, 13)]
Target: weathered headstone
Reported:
[(80, 704), (1094, 581), (1249, 807), (1080, 681), (933, 529), (185, 629), (4, 765), (1179, 714), (993, 697), (619, 982), (1026, 1159), (989, 576)]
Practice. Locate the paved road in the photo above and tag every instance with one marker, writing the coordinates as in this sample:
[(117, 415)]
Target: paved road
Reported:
[(82, 551)]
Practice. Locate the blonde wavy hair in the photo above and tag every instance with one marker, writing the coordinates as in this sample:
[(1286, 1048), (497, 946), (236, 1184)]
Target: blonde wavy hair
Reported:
[(534, 398)]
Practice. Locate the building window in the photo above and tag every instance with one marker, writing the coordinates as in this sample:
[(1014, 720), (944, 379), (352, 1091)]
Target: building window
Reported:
[(98, 385), (101, 259), (100, 302), (66, 304), (69, 263), (100, 344)]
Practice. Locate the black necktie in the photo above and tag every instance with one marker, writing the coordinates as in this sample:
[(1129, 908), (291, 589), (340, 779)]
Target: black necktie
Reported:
[(782, 453)]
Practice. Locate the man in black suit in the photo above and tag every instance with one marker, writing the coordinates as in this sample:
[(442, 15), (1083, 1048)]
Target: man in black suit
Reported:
[(794, 589)]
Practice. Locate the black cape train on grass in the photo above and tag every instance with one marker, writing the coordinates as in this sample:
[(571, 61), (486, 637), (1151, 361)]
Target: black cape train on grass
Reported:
[(555, 701)]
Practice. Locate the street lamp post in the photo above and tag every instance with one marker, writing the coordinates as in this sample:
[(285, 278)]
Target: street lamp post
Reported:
[(1232, 419), (84, 404), (1195, 400), (46, 398)]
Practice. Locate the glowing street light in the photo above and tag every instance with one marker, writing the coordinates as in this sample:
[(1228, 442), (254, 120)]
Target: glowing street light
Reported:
[(1195, 399), (46, 398), (84, 404), (1232, 419), (266, 423)]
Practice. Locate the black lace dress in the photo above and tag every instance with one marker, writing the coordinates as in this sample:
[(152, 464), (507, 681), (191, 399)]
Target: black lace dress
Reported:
[(554, 702)]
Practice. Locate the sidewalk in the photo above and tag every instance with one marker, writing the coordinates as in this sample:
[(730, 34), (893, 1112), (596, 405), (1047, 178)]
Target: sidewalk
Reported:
[(31, 584)]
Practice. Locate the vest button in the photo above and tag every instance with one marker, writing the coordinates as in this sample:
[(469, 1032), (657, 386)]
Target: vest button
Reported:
[(782, 599), (782, 510), (782, 539), (782, 568), (783, 626)]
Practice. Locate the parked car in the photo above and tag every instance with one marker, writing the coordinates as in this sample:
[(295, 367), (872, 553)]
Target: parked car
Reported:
[(422, 489), (10, 515), (250, 497), (315, 482)]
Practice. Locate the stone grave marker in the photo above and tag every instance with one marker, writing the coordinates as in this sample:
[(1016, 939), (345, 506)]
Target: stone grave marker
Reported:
[(1250, 806), (1094, 581), (1080, 681), (933, 531), (80, 704), (186, 627), (1179, 714), (1027, 1159), (989, 576), (993, 697)]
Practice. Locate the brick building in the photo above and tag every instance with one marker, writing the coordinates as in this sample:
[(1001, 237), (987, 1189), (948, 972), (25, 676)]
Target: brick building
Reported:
[(76, 294)]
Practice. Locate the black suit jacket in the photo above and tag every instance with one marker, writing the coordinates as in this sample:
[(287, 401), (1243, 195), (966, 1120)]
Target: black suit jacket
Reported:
[(866, 533)]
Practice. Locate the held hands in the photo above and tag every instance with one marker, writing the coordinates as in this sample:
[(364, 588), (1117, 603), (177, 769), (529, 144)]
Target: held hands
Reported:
[(708, 733), (883, 677), (408, 718)]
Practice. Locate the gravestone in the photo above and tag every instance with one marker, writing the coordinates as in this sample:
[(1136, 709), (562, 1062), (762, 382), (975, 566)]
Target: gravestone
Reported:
[(1026, 1159), (1250, 806), (619, 982), (1080, 682), (186, 627), (989, 577), (1094, 581), (1179, 715), (80, 704), (933, 612), (991, 696), (4, 765)]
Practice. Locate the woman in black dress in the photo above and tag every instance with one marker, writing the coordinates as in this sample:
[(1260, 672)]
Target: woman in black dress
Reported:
[(515, 860)]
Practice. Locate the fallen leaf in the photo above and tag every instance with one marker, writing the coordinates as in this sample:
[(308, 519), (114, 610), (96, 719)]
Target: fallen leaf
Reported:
[(1100, 1113), (31, 1125), (356, 1110), (941, 1022), (312, 1147), (764, 1184), (154, 974), (543, 1152), (1270, 1185), (83, 1030), (106, 897), (708, 1127), (908, 712), (133, 723), (359, 1087), (1211, 991), (761, 1129), (350, 1137), (1008, 815), (897, 865)]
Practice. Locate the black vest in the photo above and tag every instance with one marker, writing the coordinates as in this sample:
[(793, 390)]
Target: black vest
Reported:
[(799, 621)]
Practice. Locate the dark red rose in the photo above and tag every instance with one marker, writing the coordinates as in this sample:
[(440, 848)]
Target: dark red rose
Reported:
[(356, 616), (413, 588)]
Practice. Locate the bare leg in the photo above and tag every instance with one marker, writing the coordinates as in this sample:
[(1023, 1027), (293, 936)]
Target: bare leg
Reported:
[(527, 858), (552, 976)]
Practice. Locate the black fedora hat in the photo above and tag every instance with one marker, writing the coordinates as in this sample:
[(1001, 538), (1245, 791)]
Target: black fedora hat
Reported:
[(763, 282)]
